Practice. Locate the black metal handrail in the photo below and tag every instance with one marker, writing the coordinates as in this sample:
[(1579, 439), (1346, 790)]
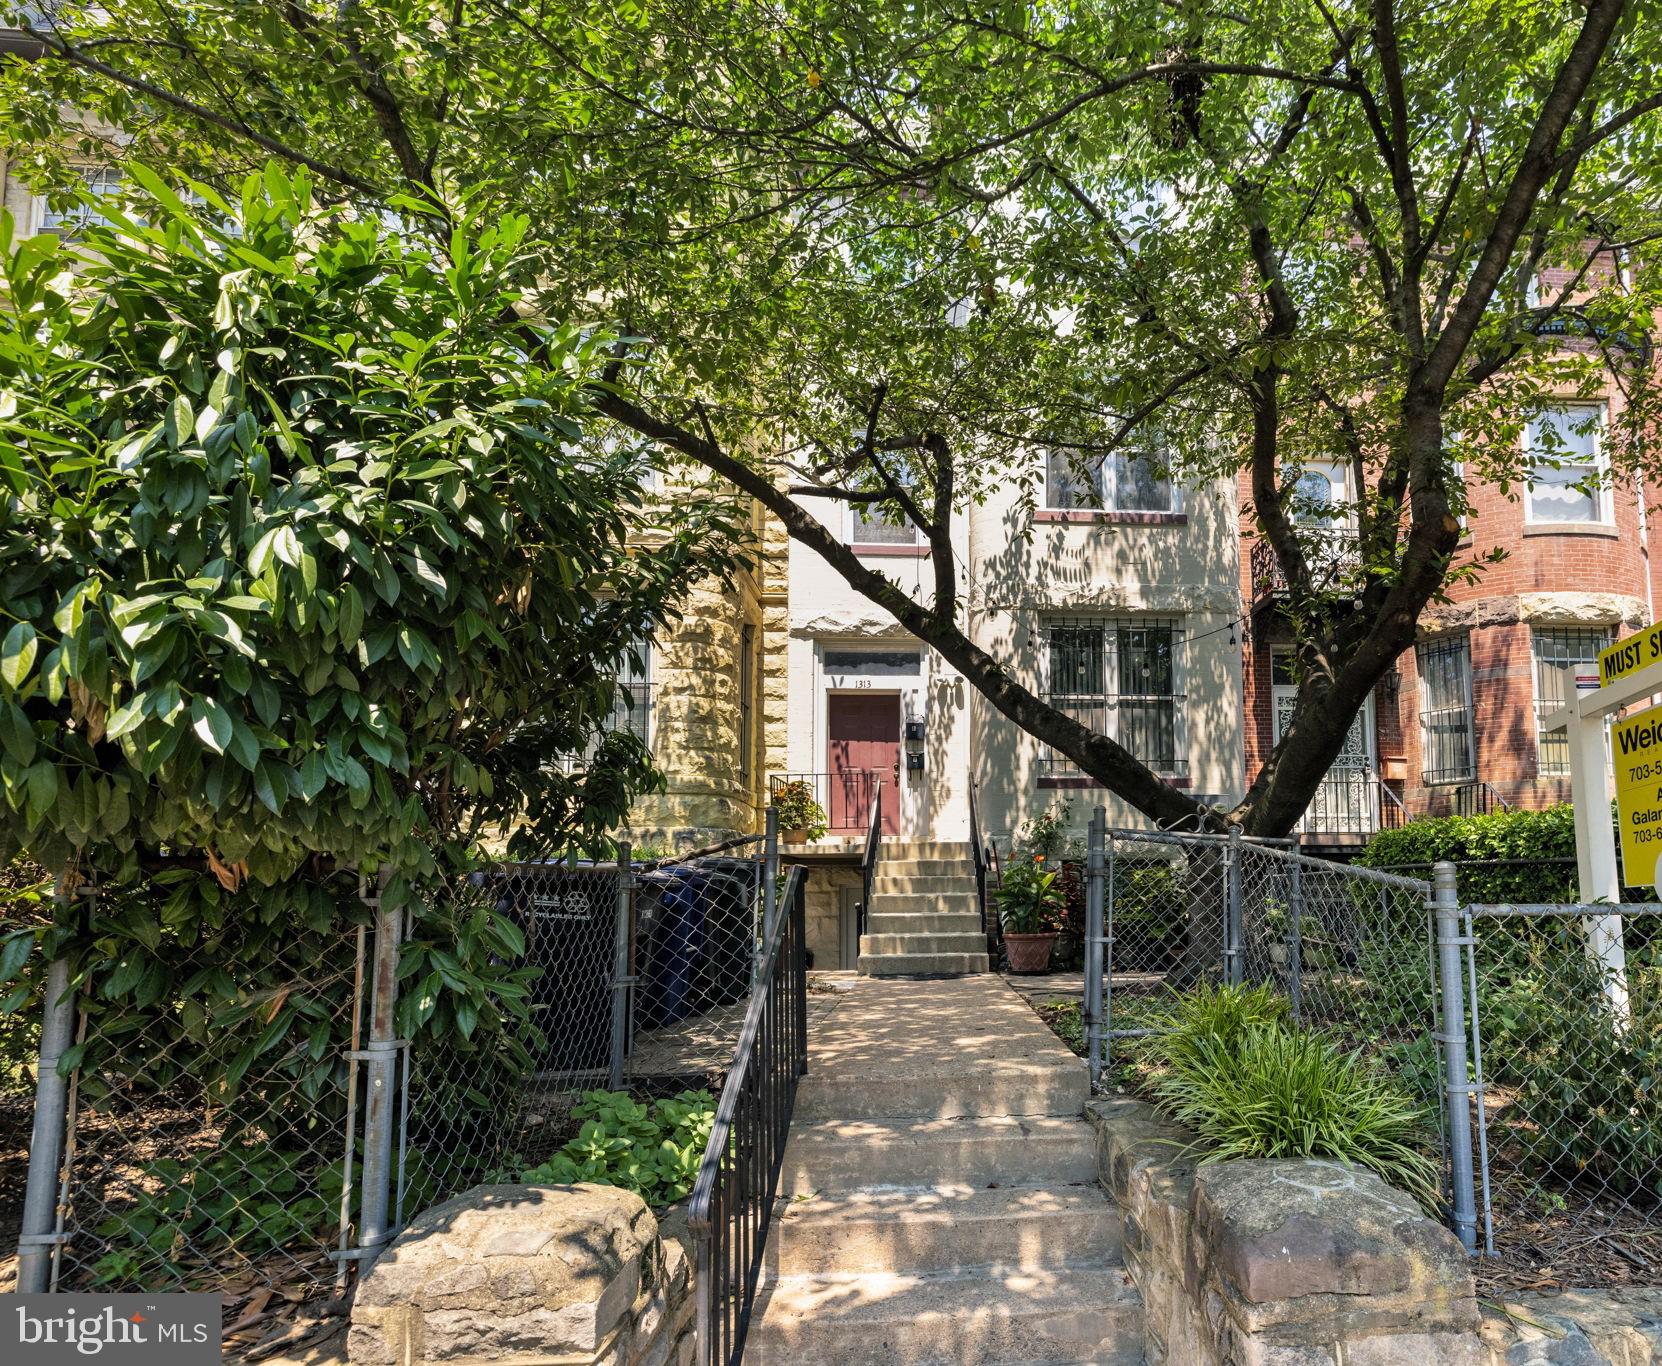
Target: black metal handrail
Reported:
[(868, 856), (978, 857), (732, 1200)]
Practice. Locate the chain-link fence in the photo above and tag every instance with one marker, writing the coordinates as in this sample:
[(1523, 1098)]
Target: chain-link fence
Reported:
[(249, 1107), (637, 979), (1569, 1014), (194, 1106), (1352, 952)]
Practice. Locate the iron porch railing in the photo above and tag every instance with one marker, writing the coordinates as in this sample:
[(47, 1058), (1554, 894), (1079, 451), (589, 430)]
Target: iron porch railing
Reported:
[(846, 796), (732, 1201), (1334, 557)]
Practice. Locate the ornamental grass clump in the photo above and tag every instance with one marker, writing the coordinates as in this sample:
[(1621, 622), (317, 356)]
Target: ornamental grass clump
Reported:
[(1274, 1092)]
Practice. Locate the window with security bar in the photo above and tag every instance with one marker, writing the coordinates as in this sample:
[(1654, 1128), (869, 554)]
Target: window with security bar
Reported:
[(1132, 479), (1560, 651), (100, 182), (1446, 710), (1122, 678), (631, 703)]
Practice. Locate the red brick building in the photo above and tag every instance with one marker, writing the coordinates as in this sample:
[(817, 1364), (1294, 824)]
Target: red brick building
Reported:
[(1456, 728)]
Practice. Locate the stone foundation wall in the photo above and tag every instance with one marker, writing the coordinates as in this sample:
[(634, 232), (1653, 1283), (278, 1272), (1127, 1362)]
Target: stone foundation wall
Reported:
[(529, 1275), (824, 901)]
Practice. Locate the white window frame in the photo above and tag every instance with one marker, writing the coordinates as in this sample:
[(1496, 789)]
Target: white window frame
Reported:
[(1106, 473), (852, 515), (72, 224), (1603, 502)]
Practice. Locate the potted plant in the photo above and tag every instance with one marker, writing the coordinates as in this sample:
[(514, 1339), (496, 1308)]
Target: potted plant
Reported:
[(1030, 907), (801, 818)]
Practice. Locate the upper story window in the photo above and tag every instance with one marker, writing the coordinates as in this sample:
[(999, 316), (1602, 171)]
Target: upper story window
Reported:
[(1570, 481), (867, 526), (1321, 496), (1122, 678), (101, 182), (1131, 479), (1449, 751)]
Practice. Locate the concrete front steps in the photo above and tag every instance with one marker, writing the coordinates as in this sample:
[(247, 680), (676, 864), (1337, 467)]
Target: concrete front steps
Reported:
[(923, 919), (938, 1199)]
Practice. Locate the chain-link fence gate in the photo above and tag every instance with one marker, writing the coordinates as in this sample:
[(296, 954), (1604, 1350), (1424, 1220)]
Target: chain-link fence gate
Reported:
[(197, 1129), (1372, 960)]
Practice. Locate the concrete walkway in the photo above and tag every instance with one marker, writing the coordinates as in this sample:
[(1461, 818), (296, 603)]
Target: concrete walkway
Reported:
[(939, 1201)]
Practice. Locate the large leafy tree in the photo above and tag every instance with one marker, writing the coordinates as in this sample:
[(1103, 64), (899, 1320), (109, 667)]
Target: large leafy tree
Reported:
[(912, 244), (304, 562)]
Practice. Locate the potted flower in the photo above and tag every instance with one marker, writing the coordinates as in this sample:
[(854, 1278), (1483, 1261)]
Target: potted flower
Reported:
[(801, 818), (1030, 907)]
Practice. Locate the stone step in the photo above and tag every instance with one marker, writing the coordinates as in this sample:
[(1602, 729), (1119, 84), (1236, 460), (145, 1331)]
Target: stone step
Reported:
[(912, 903), (978, 1087), (920, 964), (1076, 1314), (926, 922), (929, 942), (926, 849), (848, 1154), (957, 885), (945, 1228), (925, 867)]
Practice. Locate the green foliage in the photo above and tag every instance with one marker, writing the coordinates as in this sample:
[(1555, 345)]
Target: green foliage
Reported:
[(1030, 899), (300, 551), (798, 810), (1205, 1014), (1271, 1091), (25, 914), (1535, 851), (1046, 833), (236, 1203), (1580, 1091), (654, 1150)]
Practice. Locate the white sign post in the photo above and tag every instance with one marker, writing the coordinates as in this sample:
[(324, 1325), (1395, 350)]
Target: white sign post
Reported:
[(1631, 672)]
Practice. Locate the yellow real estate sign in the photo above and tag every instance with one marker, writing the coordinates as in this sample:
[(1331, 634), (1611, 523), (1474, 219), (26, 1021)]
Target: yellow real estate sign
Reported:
[(1636, 742), (1630, 654)]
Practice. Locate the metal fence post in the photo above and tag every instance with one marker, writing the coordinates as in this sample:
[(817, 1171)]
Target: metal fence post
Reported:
[(770, 877), (1096, 944), (46, 1144), (1295, 932), (380, 1058), (1463, 1197), (621, 980), (1232, 970)]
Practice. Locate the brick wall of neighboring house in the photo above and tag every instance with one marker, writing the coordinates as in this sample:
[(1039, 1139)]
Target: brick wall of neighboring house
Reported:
[(1596, 578)]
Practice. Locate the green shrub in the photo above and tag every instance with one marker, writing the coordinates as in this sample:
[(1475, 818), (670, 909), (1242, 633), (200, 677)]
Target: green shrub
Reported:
[(1531, 853), (1273, 1092), (653, 1150), (1205, 1014)]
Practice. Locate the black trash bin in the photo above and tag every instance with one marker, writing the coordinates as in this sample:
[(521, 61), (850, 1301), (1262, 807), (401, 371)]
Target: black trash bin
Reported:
[(730, 919), (670, 947), (568, 917)]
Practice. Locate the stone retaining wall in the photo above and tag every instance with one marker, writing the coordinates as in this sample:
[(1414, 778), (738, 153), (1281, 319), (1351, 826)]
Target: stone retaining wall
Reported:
[(529, 1275), (1318, 1264), (1295, 1263)]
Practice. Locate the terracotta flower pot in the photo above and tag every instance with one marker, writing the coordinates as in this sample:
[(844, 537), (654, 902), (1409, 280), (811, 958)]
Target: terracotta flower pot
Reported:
[(1029, 952), (797, 836)]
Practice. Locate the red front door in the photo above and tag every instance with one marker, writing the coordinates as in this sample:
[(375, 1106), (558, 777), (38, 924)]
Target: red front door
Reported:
[(864, 733)]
